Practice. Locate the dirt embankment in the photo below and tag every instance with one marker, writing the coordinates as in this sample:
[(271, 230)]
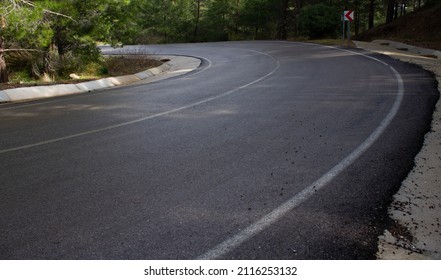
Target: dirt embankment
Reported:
[(421, 28)]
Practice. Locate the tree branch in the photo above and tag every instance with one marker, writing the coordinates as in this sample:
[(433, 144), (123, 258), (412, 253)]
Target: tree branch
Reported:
[(16, 4), (58, 14), (19, 50)]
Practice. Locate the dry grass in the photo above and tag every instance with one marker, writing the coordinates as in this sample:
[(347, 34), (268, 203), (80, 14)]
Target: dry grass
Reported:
[(129, 64), (111, 66), (328, 42)]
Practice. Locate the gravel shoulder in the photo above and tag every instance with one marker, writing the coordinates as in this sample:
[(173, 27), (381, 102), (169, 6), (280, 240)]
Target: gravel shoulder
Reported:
[(416, 209)]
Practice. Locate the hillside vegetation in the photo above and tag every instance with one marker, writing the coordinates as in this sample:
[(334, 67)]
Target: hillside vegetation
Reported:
[(421, 28)]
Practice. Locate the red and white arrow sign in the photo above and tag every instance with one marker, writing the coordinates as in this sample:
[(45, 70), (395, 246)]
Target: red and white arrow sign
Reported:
[(348, 15)]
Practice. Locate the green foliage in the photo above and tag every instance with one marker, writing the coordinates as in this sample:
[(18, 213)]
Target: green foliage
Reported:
[(219, 21), (25, 27), (159, 21), (433, 2), (259, 18), (20, 77), (44, 24), (61, 34), (318, 21)]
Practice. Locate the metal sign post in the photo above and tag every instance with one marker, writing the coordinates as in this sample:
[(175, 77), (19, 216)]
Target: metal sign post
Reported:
[(343, 29), (347, 16)]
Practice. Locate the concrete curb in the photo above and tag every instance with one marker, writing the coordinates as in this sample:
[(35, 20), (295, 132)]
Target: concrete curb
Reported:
[(4, 97), (409, 48), (38, 92)]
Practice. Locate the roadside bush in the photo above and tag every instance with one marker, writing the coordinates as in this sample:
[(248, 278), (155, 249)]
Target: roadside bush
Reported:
[(25, 64), (68, 64), (319, 21), (28, 66), (20, 77), (39, 66)]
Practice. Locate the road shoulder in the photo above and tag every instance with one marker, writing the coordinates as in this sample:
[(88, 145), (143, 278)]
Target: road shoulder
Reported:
[(416, 208)]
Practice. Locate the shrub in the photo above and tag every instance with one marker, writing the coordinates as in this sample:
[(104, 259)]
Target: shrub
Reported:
[(319, 21), (20, 77)]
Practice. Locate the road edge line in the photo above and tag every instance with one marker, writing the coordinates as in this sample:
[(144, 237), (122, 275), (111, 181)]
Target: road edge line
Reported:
[(266, 221)]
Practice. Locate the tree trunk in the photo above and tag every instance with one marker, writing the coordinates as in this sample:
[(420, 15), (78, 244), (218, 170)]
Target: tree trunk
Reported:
[(390, 11), (282, 33), (198, 17), (236, 18), (371, 13), (357, 17), (3, 70), (60, 41)]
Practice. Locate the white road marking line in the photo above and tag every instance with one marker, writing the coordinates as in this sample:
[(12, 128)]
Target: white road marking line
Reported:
[(202, 70), (269, 219)]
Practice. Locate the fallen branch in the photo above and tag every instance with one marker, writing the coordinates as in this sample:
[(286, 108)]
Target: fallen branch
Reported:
[(18, 50)]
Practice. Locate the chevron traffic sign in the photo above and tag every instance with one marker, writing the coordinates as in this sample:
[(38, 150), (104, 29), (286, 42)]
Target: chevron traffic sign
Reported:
[(348, 15)]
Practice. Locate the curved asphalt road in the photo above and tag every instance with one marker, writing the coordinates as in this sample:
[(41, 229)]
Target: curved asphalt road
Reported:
[(271, 150)]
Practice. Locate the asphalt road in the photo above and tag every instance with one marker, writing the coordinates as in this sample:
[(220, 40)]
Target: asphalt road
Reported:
[(271, 150)]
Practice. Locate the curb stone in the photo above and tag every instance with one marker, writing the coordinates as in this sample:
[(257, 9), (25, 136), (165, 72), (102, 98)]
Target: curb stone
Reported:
[(38, 92), (409, 48), (4, 97)]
